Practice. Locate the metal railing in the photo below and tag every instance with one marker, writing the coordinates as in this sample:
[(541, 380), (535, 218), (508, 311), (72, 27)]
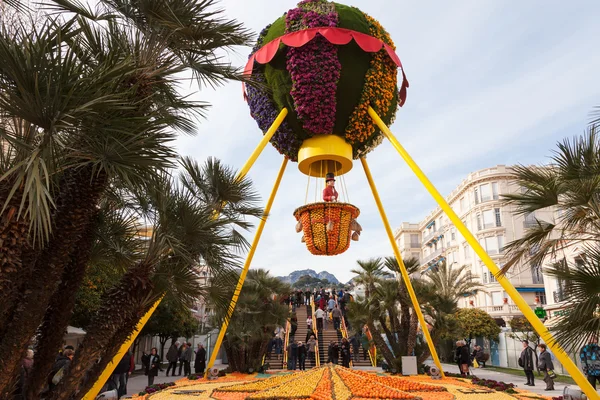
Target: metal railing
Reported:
[(372, 349), (433, 255), (433, 234), (344, 330), (316, 332), (288, 328)]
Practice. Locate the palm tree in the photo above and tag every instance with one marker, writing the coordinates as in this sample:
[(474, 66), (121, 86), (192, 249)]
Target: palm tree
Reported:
[(258, 312), (88, 105), (452, 283), (569, 188), (409, 322), (369, 274), (185, 229)]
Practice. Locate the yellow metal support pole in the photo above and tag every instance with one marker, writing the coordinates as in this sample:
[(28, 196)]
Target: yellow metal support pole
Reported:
[(539, 327), (263, 142), (95, 390), (240, 284), (403, 271)]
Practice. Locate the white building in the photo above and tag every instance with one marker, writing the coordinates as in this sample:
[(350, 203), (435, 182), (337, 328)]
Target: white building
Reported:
[(477, 201)]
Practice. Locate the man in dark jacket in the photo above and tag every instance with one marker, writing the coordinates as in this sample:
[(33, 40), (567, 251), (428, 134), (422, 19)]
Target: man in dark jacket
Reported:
[(526, 361), (546, 366), (301, 356), (292, 356), (181, 357), (200, 361), (172, 356), (121, 374), (60, 368), (463, 358)]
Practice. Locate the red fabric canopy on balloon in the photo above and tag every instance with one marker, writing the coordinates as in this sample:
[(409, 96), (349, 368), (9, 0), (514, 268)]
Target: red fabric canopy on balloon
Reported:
[(337, 36)]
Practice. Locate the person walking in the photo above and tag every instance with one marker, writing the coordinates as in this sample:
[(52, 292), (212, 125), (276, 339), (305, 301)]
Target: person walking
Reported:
[(330, 352), (153, 365), (172, 358), (590, 359), (188, 357), (301, 356), (527, 363), (309, 323), (330, 304), (355, 347), (292, 356), (462, 357), (200, 361), (312, 345), (336, 314), (181, 357), (60, 368), (320, 314), (121, 374), (546, 366), (345, 350)]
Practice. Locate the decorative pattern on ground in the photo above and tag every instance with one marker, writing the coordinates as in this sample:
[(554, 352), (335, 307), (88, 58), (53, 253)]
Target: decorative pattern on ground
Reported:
[(332, 382)]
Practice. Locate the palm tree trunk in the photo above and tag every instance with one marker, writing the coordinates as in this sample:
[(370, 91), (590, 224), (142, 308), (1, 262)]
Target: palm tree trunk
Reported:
[(380, 343), (122, 308), (80, 191), (390, 337), (15, 253), (58, 314), (411, 340)]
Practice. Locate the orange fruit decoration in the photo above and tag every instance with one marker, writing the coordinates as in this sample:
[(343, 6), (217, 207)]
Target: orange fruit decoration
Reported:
[(315, 217)]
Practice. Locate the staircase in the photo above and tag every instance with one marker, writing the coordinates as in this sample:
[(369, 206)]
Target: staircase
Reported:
[(275, 361)]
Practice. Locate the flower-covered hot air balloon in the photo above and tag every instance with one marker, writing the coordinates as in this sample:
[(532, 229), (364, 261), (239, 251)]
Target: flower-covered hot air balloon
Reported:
[(326, 63)]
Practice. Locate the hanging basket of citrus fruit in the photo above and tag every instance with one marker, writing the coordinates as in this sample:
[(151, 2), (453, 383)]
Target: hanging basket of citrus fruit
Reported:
[(327, 226)]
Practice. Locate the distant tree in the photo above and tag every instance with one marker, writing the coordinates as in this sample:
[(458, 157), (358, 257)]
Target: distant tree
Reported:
[(474, 322), (170, 321)]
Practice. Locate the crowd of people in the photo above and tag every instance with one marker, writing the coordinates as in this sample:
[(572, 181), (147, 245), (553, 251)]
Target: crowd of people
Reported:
[(530, 361), (177, 353)]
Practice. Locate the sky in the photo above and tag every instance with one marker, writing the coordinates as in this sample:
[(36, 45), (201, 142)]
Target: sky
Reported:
[(491, 82)]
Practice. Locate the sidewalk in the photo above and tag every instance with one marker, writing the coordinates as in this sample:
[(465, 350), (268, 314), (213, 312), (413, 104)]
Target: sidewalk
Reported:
[(518, 381), (138, 382)]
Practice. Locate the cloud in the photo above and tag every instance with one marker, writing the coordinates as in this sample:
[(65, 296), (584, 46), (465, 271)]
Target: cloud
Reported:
[(491, 83)]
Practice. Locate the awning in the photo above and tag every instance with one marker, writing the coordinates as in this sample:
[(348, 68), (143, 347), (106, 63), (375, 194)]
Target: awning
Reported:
[(429, 224), (529, 289)]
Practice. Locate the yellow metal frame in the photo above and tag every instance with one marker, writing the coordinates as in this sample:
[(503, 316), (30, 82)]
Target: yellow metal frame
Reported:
[(403, 271), (528, 313), (240, 284), (108, 371), (316, 332)]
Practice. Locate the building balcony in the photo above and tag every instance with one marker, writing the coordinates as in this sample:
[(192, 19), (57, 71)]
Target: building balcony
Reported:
[(433, 256), (503, 310), (433, 235)]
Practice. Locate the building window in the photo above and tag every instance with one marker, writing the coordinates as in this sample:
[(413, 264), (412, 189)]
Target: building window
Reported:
[(463, 205), (479, 224), (536, 274), (495, 191), (530, 220), (485, 192), (497, 298), (492, 244), (414, 241), (492, 277), (476, 193), (452, 233), (467, 250), (542, 296), (485, 276), (498, 217)]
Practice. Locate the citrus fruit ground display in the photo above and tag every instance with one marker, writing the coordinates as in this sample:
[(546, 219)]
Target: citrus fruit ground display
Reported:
[(331, 382)]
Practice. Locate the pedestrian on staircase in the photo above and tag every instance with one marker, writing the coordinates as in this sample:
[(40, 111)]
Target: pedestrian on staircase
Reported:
[(355, 347), (336, 314), (320, 314), (345, 350), (312, 348), (301, 356), (292, 356), (309, 323)]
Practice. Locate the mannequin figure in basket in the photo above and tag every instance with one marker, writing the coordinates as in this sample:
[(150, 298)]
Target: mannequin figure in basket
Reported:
[(329, 193)]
